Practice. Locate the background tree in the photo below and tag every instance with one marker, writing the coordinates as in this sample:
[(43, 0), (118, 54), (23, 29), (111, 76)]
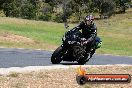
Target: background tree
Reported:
[(105, 7), (28, 11), (11, 8), (61, 10), (1, 3)]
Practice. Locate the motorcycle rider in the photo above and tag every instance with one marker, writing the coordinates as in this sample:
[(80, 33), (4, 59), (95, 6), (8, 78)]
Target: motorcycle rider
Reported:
[(89, 31)]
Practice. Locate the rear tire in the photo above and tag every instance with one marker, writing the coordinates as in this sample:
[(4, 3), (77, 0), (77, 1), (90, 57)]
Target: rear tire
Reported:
[(56, 56)]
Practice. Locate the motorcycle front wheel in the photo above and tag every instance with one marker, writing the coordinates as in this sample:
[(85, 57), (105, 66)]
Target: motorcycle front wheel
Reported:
[(56, 57), (83, 60)]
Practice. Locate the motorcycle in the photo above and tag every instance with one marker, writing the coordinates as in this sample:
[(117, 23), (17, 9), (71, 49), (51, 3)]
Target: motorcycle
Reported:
[(73, 49)]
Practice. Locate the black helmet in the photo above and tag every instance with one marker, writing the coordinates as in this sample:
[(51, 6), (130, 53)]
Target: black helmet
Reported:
[(89, 18)]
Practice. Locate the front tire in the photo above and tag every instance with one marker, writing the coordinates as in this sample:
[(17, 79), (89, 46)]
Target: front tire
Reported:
[(56, 57), (81, 62)]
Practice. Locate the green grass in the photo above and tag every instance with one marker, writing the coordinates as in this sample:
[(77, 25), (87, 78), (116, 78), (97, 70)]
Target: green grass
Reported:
[(116, 33), (43, 33)]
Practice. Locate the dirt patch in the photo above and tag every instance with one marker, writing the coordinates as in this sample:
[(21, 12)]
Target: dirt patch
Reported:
[(14, 38), (18, 41), (41, 79), (62, 78)]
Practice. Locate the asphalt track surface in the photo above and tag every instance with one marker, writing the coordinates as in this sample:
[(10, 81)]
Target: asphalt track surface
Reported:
[(10, 57)]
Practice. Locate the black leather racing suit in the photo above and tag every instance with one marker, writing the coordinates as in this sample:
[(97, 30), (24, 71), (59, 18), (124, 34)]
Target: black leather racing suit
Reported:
[(88, 32)]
